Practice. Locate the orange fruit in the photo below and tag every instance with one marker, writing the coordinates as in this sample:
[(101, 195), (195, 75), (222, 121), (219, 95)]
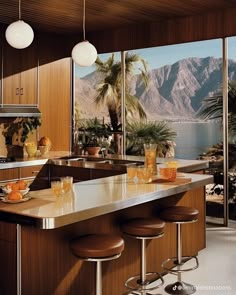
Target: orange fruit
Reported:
[(8, 186), (22, 184), (14, 196), (44, 141), (14, 187)]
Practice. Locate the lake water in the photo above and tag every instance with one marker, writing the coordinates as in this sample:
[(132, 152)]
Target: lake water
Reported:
[(193, 138)]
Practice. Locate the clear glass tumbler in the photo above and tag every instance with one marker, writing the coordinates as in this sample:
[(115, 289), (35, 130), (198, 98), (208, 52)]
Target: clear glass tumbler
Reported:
[(150, 150), (57, 188), (67, 183)]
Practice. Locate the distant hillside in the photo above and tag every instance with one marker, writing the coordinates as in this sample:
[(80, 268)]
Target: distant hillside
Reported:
[(175, 91)]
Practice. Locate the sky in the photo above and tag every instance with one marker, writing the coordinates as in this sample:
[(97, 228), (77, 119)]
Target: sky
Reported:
[(157, 57)]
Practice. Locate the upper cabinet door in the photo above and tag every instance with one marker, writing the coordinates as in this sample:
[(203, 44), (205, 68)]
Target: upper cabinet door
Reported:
[(20, 72)]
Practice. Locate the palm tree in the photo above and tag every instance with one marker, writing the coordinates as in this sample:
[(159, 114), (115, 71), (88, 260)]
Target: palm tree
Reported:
[(139, 133), (212, 107), (109, 90)]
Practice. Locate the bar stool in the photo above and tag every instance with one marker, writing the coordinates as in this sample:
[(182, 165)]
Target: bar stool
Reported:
[(179, 215), (143, 229), (98, 248)]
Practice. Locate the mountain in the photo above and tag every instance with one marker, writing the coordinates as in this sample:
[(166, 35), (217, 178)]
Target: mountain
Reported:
[(175, 92)]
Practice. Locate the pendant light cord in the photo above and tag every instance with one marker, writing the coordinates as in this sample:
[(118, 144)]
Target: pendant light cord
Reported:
[(84, 20), (19, 9)]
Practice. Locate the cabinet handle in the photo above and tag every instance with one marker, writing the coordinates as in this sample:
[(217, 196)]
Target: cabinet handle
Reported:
[(21, 91), (17, 91), (35, 172)]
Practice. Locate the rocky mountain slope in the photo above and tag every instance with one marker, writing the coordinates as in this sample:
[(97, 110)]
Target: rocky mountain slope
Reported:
[(175, 92)]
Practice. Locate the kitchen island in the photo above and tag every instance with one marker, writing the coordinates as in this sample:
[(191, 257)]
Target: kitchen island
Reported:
[(35, 234)]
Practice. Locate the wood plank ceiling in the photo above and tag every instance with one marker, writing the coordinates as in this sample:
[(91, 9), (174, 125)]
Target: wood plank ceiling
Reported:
[(65, 16)]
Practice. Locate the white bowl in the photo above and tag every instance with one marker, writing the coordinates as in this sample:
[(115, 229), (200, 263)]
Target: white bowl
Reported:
[(23, 192)]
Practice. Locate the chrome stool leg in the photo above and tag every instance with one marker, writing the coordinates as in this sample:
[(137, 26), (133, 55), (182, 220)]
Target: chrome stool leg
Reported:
[(98, 278), (180, 287), (142, 281)]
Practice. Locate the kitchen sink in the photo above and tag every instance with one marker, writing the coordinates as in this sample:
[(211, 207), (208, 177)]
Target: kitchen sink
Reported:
[(94, 162)]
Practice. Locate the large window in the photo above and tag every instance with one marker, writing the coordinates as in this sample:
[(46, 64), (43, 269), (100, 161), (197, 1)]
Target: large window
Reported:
[(181, 78)]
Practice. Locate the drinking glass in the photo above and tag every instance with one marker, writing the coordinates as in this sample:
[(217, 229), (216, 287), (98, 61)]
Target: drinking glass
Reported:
[(67, 183), (132, 172), (150, 150), (57, 188), (168, 173), (171, 164), (144, 174)]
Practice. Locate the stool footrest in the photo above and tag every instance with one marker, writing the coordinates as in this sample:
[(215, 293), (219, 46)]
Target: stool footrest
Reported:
[(134, 283), (180, 270)]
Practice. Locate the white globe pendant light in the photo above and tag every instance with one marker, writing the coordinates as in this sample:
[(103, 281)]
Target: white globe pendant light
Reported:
[(84, 53), (19, 34)]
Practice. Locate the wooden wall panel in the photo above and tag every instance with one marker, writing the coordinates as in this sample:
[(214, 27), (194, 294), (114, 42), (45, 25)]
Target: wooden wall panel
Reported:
[(55, 92), (179, 30)]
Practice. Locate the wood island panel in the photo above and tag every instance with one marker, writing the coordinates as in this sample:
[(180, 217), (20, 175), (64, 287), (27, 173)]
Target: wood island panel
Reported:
[(8, 258), (48, 267)]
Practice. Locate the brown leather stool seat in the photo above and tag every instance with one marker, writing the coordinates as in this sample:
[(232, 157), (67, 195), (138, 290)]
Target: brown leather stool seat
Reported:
[(179, 214), (98, 248), (143, 229)]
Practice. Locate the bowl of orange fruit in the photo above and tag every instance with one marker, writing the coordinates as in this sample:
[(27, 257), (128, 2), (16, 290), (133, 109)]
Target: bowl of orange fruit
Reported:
[(20, 186)]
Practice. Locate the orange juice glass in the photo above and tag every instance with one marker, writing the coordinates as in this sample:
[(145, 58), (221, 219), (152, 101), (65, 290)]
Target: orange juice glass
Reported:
[(67, 183), (144, 174), (132, 172), (150, 150), (57, 188), (168, 173)]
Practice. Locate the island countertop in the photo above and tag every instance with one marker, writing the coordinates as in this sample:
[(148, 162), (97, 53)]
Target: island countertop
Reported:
[(94, 198), (183, 165)]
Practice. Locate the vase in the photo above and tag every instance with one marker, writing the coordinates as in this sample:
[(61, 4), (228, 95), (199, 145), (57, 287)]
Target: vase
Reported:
[(93, 150), (31, 149)]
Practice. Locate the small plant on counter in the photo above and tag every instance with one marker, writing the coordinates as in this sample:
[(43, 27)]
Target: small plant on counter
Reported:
[(92, 133), (21, 127)]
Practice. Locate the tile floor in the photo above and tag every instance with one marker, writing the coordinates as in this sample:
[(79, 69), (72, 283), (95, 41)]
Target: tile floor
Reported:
[(217, 271)]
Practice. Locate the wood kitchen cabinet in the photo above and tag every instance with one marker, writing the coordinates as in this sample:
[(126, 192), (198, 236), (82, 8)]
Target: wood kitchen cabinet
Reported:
[(20, 75), (29, 172), (14, 174), (9, 174)]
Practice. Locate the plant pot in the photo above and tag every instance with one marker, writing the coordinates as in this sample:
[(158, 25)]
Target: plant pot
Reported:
[(93, 150), (15, 151)]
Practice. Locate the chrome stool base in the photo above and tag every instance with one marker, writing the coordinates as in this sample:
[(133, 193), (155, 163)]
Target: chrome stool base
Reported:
[(180, 288), (183, 261), (136, 285)]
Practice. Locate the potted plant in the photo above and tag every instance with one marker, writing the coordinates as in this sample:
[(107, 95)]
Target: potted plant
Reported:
[(94, 135), (20, 127)]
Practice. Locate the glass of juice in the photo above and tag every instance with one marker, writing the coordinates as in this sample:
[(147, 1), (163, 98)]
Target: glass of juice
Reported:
[(150, 150), (57, 188), (168, 173), (67, 183), (144, 174), (132, 172)]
